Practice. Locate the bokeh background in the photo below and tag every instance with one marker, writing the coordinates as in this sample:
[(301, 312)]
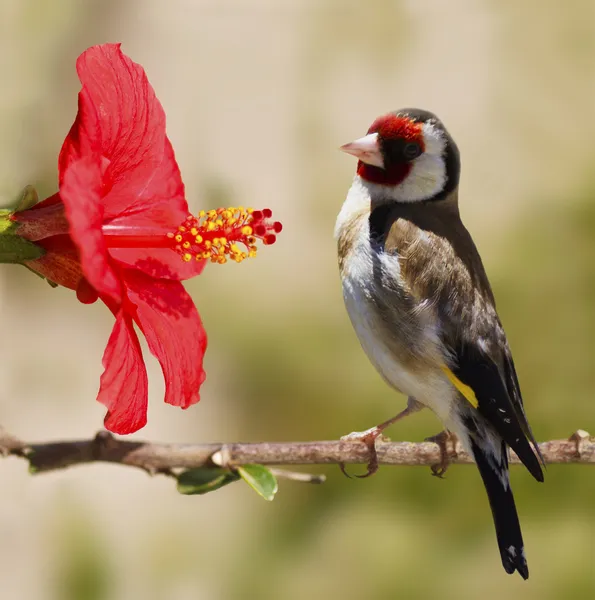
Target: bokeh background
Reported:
[(258, 96)]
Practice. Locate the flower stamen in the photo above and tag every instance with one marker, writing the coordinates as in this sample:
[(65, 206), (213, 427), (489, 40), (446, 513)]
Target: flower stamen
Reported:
[(215, 235)]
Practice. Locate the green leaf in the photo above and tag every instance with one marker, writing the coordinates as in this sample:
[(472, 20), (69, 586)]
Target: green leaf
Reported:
[(260, 479), (204, 480)]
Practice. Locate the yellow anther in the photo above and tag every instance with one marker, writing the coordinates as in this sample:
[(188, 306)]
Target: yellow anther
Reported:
[(220, 235)]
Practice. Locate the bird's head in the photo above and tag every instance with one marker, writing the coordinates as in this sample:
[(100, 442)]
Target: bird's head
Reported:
[(407, 156)]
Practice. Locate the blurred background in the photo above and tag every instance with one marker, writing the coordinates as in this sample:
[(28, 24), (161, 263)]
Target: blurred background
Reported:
[(258, 97)]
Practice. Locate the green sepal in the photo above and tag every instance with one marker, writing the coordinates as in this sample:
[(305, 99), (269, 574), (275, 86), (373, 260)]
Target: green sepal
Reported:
[(28, 199), (204, 480), (260, 479), (13, 248)]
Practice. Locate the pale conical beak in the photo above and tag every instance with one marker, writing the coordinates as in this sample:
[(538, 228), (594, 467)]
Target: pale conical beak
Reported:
[(366, 149)]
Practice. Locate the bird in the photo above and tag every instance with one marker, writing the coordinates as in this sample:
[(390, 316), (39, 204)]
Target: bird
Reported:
[(421, 304)]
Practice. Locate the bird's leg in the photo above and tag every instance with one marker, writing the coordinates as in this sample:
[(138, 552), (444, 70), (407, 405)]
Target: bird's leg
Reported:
[(370, 436), (444, 439)]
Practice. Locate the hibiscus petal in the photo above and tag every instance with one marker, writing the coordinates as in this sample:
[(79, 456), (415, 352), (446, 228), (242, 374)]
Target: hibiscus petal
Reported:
[(160, 203), (80, 191), (140, 171), (163, 213), (124, 387), (83, 139), (159, 263), (170, 322)]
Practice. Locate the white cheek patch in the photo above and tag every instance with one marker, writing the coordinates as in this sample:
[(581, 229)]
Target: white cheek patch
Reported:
[(433, 139), (428, 171)]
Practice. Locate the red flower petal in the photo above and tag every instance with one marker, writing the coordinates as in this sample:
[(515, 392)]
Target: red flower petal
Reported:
[(160, 263), (80, 192), (139, 165), (170, 322), (165, 211), (123, 389)]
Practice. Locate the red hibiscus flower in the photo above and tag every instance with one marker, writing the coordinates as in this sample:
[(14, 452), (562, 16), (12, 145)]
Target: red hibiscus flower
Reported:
[(119, 230)]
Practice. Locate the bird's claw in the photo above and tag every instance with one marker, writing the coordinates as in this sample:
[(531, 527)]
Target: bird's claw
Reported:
[(444, 439), (368, 438)]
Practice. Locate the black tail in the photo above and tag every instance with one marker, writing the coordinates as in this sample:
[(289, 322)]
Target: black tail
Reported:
[(494, 472)]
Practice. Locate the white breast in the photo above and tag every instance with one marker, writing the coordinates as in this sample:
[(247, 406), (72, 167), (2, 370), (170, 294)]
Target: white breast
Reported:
[(423, 380)]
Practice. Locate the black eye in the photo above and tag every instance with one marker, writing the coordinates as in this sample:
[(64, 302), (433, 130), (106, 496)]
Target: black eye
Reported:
[(411, 150)]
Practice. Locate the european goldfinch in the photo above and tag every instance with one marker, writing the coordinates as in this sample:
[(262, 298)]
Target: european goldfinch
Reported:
[(421, 304)]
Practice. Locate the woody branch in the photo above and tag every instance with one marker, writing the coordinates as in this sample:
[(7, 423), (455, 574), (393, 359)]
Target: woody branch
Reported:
[(166, 458)]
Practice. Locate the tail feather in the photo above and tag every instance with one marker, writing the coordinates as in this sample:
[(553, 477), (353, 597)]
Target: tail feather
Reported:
[(494, 472)]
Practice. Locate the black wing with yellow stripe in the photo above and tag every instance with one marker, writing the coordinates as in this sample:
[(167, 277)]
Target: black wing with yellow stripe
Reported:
[(493, 390)]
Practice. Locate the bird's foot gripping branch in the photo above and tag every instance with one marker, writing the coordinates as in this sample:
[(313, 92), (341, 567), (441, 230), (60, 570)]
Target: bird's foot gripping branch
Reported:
[(119, 229)]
